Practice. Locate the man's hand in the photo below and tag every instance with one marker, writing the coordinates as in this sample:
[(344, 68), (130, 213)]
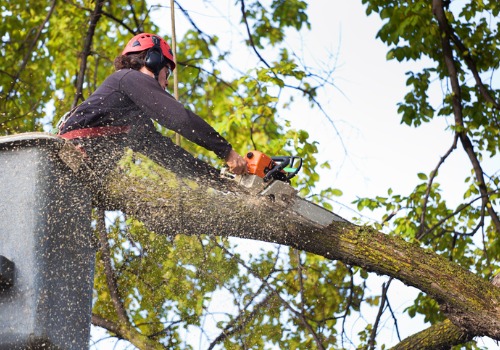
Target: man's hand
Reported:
[(237, 164)]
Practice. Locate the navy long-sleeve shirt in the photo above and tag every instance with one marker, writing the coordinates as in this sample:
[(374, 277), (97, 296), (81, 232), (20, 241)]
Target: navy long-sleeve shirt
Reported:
[(129, 97)]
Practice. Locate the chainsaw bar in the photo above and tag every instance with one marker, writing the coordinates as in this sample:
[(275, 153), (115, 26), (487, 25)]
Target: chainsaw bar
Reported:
[(282, 194)]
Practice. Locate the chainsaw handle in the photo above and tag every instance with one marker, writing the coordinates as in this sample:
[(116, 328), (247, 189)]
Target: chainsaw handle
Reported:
[(280, 168), (281, 163), (291, 170)]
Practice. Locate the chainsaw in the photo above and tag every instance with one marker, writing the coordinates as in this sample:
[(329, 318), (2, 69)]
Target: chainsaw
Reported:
[(281, 168), (270, 177)]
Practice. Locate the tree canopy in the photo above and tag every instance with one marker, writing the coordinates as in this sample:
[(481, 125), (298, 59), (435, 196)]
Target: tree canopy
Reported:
[(151, 290)]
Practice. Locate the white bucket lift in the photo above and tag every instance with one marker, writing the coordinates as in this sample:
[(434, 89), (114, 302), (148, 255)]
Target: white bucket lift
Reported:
[(46, 254)]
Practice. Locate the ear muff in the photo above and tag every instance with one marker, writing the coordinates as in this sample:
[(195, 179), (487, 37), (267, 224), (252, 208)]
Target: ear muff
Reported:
[(155, 60)]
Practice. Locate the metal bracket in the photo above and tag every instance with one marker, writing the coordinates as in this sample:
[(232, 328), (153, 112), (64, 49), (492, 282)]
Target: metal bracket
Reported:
[(7, 268), (71, 156)]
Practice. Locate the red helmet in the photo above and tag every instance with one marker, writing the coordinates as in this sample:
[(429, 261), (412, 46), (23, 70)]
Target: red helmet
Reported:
[(145, 41)]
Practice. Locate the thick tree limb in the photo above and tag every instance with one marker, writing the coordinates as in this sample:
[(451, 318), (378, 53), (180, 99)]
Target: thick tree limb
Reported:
[(440, 336), (170, 204)]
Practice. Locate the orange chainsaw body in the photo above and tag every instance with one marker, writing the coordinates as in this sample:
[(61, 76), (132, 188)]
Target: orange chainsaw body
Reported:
[(258, 163), (272, 168)]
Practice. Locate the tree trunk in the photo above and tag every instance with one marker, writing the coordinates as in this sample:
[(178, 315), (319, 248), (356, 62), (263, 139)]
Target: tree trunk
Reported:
[(170, 204)]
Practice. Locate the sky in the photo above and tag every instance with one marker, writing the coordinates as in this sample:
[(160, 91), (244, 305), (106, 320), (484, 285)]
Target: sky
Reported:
[(375, 152)]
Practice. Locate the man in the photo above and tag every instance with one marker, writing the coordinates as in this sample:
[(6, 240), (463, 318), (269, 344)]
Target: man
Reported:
[(121, 111)]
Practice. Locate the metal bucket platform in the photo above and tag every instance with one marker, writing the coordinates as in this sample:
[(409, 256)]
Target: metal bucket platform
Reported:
[(45, 247)]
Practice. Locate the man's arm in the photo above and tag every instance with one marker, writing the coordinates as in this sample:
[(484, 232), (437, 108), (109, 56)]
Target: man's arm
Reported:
[(146, 93)]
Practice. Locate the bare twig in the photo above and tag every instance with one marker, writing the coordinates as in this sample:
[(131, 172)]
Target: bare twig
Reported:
[(307, 92), (395, 319), (239, 322), (287, 305), (348, 304), (429, 185), (301, 281), (195, 26), (302, 304), (383, 300), (447, 217), (250, 38)]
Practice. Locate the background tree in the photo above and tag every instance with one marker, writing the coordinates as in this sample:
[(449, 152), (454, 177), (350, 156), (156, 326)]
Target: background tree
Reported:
[(151, 289)]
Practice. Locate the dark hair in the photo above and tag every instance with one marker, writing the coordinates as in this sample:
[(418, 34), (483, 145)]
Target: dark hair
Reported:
[(130, 61)]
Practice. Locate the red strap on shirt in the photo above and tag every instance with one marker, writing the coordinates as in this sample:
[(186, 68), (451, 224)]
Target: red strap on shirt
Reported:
[(95, 132)]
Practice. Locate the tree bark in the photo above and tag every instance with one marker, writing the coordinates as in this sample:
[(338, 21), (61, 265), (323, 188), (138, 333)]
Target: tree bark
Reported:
[(440, 336), (171, 204)]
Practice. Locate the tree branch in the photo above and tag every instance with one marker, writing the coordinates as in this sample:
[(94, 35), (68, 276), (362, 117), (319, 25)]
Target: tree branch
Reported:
[(110, 275), (123, 329), (154, 198), (302, 308), (198, 30), (249, 33), (298, 314), (138, 24), (438, 10), (307, 93), (395, 319), (108, 325), (383, 300), (239, 322), (465, 52), (94, 18), (106, 14), (443, 220), (434, 173), (348, 304)]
